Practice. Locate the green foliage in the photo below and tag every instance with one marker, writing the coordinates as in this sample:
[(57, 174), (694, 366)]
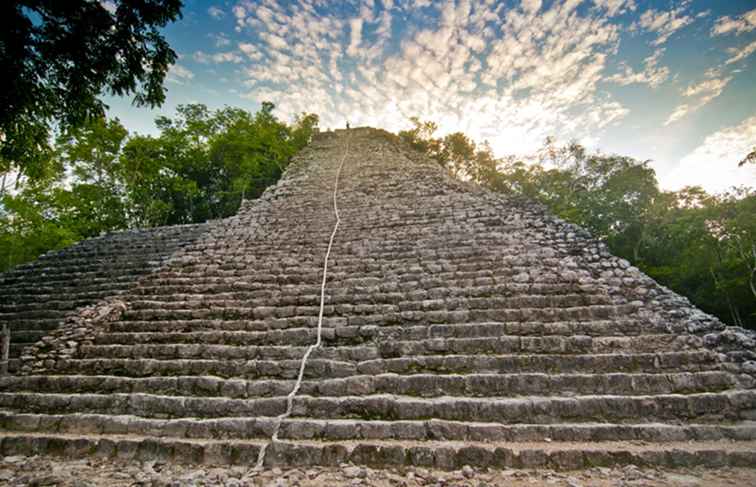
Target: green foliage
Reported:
[(204, 163), (58, 57), (95, 199), (30, 226), (456, 152), (702, 246), (200, 166)]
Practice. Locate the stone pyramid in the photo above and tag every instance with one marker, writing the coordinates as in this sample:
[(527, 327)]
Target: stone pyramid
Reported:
[(459, 327)]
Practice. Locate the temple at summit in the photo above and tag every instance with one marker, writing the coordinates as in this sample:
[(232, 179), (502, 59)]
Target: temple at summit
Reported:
[(459, 327)]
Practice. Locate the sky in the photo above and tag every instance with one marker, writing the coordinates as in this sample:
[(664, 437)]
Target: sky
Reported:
[(673, 82)]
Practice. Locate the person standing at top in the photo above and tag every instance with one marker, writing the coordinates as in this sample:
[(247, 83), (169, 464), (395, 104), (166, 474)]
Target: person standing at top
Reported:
[(347, 124)]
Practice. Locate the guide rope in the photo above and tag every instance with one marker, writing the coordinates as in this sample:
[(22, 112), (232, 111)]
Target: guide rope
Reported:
[(311, 348)]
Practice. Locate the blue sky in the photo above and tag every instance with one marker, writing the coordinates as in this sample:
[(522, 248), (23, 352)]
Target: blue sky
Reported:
[(669, 81)]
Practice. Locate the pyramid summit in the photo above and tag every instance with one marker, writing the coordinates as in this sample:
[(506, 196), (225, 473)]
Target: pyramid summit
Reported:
[(438, 325)]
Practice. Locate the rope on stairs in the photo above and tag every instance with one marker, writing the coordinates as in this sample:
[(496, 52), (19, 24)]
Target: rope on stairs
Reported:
[(311, 348)]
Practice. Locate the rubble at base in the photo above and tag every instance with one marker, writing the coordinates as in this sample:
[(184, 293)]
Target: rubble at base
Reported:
[(46, 471)]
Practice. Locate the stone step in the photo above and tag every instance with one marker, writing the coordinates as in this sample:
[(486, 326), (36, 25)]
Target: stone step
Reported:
[(63, 275), (69, 294), (95, 264), (124, 260), (435, 288), (248, 369), (599, 328), (52, 305), (377, 288), (339, 430), (123, 256), (25, 337), (267, 345), (41, 313), (424, 287), (418, 385), (723, 407), (96, 284), (695, 361), (293, 336), (225, 352), (393, 317), (144, 405), (580, 344), (705, 407), (302, 324), (385, 266), (377, 302), (620, 327), (118, 246), (389, 312), (16, 348), (383, 454)]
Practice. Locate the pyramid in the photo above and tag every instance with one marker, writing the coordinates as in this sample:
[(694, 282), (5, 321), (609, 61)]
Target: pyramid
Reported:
[(429, 323)]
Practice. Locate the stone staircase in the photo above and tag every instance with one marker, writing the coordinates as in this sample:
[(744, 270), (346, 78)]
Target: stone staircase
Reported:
[(38, 296), (460, 328)]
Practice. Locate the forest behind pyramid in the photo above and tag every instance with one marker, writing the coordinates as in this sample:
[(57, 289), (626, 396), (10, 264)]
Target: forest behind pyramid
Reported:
[(459, 327)]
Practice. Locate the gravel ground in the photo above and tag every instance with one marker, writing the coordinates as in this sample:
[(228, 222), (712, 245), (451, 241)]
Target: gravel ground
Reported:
[(47, 471)]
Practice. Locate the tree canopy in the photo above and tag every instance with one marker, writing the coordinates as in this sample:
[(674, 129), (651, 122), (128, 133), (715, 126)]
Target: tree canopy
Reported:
[(201, 166), (59, 57)]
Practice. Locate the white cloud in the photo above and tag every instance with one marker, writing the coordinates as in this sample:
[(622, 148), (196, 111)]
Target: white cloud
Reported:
[(216, 12), (218, 57), (741, 53), (355, 27), (250, 51), (705, 91), (652, 74), (539, 76), (678, 113), (738, 25), (179, 74), (221, 40), (240, 13), (614, 7), (714, 164), (531, 6), (664, 24), (708, 89)]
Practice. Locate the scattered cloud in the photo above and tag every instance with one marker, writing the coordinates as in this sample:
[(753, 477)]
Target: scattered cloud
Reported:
[(741, 53), (216, 12), (179, 74), (702, 93), (250, 51), (510, 73), (738, 25), (664, 24), (714, 163), (614, 7), (221, 40), (652, 74), (510, 76), (531, 6), (355, 26), (218, 57), (708, 89)]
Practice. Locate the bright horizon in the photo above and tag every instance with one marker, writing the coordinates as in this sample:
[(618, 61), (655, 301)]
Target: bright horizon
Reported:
[(672, 82)]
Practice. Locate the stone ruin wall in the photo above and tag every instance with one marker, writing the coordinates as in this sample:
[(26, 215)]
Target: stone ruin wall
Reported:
[(452, 314)]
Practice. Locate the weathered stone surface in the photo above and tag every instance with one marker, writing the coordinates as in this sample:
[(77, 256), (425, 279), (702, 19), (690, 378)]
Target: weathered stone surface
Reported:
[(462, 330)]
